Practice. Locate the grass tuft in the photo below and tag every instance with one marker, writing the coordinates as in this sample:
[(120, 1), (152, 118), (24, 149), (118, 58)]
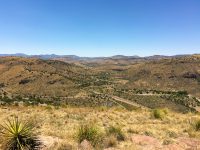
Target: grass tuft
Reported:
[(197, 125), (90, 133), (117, 132), (110, 141)]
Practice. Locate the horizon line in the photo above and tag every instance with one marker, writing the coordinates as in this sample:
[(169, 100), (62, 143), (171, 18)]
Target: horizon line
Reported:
[(51, 54)]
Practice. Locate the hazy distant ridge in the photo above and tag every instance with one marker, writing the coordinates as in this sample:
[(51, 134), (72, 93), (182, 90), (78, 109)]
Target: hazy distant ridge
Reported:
[(74, 57)]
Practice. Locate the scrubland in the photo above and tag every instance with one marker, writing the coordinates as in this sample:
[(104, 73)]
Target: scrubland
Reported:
[(116, 128)]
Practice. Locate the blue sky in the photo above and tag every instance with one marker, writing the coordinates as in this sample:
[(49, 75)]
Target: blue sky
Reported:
[(100, 27)]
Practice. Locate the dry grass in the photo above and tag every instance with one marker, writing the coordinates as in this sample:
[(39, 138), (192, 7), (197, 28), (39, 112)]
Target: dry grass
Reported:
[(62, 123)]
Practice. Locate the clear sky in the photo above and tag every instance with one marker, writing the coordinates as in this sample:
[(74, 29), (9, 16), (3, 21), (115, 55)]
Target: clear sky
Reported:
[(100, 27)]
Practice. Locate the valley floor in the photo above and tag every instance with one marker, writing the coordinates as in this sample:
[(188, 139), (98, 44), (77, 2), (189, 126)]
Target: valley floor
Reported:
[(57, 127)]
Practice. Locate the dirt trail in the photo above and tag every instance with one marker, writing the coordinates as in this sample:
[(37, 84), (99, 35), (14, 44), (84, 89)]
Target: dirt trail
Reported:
[(7, 93), (119, 99)]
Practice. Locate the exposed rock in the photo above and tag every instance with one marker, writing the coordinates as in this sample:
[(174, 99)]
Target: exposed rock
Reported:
[(48, 141), (189, 143), (146, 142), (150, 143), (85, 145), (172, 147), (183, 143)]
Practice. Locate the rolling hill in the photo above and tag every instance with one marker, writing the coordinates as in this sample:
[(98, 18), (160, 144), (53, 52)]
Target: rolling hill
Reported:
[(172, 82), (40, 77)]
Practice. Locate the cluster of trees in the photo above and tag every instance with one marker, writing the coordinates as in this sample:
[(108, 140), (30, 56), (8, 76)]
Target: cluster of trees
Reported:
[(31, 100)]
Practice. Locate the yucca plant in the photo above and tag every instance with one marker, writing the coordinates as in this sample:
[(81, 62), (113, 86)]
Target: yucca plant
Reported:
[(18, 135)]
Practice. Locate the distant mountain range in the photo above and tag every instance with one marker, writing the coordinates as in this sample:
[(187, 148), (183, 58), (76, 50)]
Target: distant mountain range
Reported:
[(74, 57)]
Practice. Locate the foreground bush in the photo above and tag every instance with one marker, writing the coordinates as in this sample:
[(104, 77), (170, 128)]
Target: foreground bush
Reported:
[(17, 135), (110, 141), (159, 113), (117, 132), (90, 133), (197, 125)]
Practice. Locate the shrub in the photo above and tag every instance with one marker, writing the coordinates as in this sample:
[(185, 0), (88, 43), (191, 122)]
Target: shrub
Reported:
[(130, 130), (90, 133), (148, 133), (182, 93), (117, 132), (19, 136), (198, 79), (168, 141), (110, 141), (166, 111), (172, 134), (159, 113), (197, 125)]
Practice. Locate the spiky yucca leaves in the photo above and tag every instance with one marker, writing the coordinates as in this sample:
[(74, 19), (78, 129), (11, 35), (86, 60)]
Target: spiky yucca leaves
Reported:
[(19, 135)]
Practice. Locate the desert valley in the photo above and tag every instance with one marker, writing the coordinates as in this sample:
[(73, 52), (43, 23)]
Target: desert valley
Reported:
[(112, 103)]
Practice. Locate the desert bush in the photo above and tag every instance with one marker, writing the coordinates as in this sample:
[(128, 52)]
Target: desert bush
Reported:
[(194, 129), (110, 141), (159, 113), (197, 125), (148, 133), (90, 133), (19, 135), (117, 132), (172, 134), (168, 141), (198, 79), (166, 111), (130, 130), (182, 93)]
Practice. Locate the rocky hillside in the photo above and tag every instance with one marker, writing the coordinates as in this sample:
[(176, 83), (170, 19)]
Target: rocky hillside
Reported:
[(165, 82), (41, 77), (166, 74)]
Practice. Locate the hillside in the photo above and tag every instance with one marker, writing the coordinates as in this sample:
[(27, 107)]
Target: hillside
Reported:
[(40, 77), (166, 74), (164, 82)]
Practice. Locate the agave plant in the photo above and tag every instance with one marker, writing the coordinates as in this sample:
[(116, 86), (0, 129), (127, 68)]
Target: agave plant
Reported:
[(19, 136)]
